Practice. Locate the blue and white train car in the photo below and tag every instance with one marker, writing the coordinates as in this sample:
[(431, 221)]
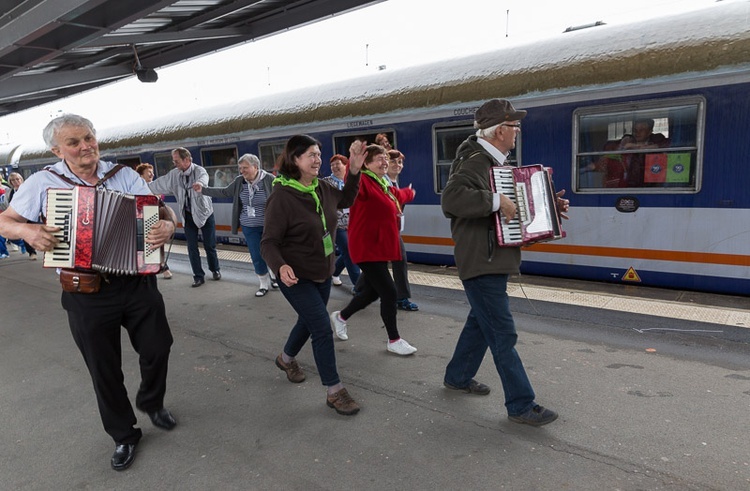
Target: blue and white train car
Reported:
[(683, 223)]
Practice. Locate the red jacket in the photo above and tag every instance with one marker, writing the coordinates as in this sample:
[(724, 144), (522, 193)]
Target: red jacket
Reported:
[(374, 222)]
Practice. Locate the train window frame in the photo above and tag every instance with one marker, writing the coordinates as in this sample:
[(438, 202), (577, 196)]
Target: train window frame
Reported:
[(131, 161), (272, 164), (162, 163), (438, 164), (343, 140), (588, 172), (220, 175)]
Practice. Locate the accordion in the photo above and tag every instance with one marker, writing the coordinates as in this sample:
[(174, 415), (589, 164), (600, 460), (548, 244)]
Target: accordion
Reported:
[(103, 230), (537, 217)]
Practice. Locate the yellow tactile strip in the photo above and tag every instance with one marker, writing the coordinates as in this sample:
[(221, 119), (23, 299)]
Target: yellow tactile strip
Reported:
[(660, 308)]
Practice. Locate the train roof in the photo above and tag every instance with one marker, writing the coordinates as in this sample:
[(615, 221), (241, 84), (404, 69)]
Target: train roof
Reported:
[(696, 42)]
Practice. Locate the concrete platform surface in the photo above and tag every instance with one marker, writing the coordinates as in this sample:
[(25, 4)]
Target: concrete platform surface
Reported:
[(631, 418)]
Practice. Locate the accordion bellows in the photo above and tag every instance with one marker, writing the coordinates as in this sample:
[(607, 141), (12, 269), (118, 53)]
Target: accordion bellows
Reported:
[(103, 230)]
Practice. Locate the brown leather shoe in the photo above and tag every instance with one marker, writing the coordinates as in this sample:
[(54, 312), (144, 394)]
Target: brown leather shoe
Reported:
[(343, 403), (293, 372)]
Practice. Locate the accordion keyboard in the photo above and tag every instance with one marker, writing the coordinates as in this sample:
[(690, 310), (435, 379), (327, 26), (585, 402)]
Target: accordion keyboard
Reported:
[(60, 211)]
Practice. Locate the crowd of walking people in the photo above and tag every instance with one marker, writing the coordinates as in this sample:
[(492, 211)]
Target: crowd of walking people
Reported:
[(293, 223)]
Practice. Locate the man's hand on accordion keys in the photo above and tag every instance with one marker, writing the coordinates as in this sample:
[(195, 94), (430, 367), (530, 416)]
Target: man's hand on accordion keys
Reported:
[(42, 237), (507, 208), (563, 205), (160, 233)]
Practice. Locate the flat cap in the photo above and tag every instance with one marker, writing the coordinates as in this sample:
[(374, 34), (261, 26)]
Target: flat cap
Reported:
[(496, 111)]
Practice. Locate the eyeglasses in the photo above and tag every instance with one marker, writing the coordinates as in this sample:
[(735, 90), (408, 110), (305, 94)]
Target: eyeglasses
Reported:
[(512, 125)]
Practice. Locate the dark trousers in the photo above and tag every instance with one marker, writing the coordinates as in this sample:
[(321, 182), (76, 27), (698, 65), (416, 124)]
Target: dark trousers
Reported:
[(400, 276), (208, 230), (309, 299), (376, 283), (135, 303)]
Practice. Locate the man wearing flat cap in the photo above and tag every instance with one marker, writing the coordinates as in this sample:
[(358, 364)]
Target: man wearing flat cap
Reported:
[(484, 267)]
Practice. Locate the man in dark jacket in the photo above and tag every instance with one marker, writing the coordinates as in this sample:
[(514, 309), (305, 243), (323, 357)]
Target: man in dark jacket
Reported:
[(484, 267)]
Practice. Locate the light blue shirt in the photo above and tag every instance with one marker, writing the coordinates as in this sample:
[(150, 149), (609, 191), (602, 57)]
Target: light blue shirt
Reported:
[(31, 199)]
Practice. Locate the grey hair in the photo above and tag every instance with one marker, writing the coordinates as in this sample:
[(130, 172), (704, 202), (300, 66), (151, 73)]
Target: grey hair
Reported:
[(250, 159), (53, 127), (487, 133)]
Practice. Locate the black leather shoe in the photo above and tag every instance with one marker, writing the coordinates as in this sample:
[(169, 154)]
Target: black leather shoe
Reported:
[(123, 457), (217, 275), (162, 419), (198, 282)]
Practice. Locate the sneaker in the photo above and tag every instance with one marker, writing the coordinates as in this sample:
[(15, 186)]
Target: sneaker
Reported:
[(536, 416), (406, 304), (474, 387), (167, 275), (274, 284), (339, 325), (342, 402), (3, 256), (336, 280), (32, 257), (293, 372), (401, 347)]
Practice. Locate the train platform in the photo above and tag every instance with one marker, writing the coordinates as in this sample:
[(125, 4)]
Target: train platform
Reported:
[(652, 387)]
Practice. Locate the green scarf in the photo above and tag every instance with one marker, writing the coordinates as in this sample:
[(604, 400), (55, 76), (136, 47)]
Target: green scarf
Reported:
[(384, 185), (295, 184)]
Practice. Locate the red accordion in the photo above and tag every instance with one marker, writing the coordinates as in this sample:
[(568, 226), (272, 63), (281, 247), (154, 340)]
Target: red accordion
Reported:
[(103, 230), (537, 217)]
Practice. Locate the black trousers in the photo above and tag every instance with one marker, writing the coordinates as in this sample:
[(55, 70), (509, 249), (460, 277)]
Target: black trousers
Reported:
[(135, 303), (376, 283), (400, 275)]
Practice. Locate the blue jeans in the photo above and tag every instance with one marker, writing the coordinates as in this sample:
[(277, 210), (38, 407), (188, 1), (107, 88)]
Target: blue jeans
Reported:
[(3, 247), (309, 299), (208, 230), (490, 324), (342, 242), (252, 237)]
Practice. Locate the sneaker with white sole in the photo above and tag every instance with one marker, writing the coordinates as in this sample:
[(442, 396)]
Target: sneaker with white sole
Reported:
[(339, 325), (401, 347), (336, 280)]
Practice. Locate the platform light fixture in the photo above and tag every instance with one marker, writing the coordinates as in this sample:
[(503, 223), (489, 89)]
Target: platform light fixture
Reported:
[(145, 75)]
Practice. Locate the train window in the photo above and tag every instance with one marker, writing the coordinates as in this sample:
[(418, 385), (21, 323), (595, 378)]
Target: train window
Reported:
[(342, 142), (221, 165), (654, 146), (162, 163), (131, 162), (269, 153), (446, 140)]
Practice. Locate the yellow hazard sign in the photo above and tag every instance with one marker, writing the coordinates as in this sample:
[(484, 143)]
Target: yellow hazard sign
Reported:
[(631, 275)]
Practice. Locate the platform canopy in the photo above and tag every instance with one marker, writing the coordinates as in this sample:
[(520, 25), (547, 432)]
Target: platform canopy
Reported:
[(50, 49)]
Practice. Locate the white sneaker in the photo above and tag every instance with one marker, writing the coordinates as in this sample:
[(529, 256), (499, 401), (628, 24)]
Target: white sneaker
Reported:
[(336, 280), (401, 347), (339, 325)]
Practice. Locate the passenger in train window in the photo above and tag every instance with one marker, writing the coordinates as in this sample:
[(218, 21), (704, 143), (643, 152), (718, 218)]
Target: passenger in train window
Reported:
[(96, 319), (643, 138), (483, 267), (382, 140), (197, 211), (249, 192), (298, 246), (374, 224), (339, 168), (612, 165), (146, 171)]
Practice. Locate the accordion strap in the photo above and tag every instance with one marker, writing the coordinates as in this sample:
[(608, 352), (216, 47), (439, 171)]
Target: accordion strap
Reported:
[(114, 170)]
